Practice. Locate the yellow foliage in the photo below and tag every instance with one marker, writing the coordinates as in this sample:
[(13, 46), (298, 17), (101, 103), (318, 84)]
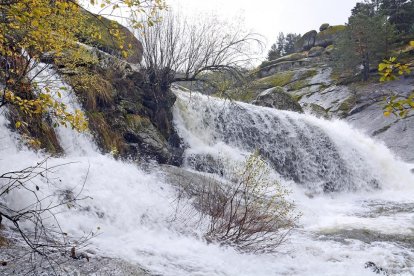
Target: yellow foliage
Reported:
[(390, 70), (31, 28)]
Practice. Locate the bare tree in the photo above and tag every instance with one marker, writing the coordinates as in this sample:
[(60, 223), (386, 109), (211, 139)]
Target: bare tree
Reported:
[(182, 49)]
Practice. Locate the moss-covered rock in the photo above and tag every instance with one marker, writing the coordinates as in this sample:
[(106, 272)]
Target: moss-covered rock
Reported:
[(316, 110), (92, 24), (277, 97), (278, 79), (129, 114), (329, 35), (37, 131), (316, 51)]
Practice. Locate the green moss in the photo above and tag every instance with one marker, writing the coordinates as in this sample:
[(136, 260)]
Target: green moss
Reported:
[(297, 98), (333, 30), (298, 85), (107, 139), (303, 79), (347, 105), (278, 79), (308, 74), (99, 32)]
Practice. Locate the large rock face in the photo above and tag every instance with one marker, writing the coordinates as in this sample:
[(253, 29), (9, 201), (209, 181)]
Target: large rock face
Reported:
[(129, 113), (277, 97), (306, 42)]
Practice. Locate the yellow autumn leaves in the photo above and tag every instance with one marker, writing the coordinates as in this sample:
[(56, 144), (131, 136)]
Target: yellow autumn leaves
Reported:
[(389, 70), (31, 28)]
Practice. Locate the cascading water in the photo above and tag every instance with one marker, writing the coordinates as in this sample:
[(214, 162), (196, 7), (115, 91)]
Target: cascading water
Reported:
[(321, 155), (133, 208)]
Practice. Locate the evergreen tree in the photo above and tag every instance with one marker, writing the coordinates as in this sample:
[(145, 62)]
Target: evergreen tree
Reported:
[(273, 53), (277, 49), (365, 42), (284, 45), (400, 13), (291, 39)]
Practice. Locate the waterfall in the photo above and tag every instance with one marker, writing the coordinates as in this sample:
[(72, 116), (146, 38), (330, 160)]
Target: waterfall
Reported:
[(318, 154), (133, 208)]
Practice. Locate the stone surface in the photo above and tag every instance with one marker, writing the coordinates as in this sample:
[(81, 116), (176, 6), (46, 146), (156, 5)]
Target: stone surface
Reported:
[(306, 42), (328, 36), (277, 97), (316, 51), (323, 27)]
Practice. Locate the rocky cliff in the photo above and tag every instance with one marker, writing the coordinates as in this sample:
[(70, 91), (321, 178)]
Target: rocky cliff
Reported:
[(129, 114), (307, 77)]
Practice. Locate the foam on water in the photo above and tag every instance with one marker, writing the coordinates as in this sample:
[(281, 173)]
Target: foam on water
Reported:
[(134, 208)]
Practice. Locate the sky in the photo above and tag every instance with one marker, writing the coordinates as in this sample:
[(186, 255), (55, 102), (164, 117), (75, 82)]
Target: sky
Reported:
[(269, 17)]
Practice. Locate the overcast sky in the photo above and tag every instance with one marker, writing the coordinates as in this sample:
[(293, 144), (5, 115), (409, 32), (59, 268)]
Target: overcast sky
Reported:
[(269, 17)]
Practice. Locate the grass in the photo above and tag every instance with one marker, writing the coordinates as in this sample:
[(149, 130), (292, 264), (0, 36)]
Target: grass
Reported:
[(93, 89), (108, 140)]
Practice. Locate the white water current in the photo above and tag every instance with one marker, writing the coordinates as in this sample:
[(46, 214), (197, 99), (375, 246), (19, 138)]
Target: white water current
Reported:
[(356, 197)]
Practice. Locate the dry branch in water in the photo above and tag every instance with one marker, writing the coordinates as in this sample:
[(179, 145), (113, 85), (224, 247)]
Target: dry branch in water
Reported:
[(36, 223), (250, 212)]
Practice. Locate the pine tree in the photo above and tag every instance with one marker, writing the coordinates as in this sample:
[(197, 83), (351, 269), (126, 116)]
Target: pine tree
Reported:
[(365, 42), (400, 13), (291, 40)]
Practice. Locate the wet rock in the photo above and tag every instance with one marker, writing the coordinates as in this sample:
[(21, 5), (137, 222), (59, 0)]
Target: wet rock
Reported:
[(277, 97), (376, 269), (316, 110), (193, 183)]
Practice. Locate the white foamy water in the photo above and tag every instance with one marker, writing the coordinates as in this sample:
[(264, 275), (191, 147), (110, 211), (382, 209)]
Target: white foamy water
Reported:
[(134, 209)]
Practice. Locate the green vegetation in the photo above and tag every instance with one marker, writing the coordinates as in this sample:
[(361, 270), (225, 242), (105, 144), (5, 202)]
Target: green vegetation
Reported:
[(32, 28), (365, 41), (284, 45), (279, 79), (390, 70), (244, 214)]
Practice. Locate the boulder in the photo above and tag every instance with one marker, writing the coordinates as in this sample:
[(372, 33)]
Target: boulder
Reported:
[(278, 98), (144, 139), (193, 183), (316, 110), (306, 42), (323, 27), (329, 35)]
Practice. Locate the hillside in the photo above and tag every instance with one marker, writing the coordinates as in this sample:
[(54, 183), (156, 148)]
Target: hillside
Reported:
[(308, 78)]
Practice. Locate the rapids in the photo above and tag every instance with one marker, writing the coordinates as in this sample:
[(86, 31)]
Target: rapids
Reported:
[(355, 196)]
